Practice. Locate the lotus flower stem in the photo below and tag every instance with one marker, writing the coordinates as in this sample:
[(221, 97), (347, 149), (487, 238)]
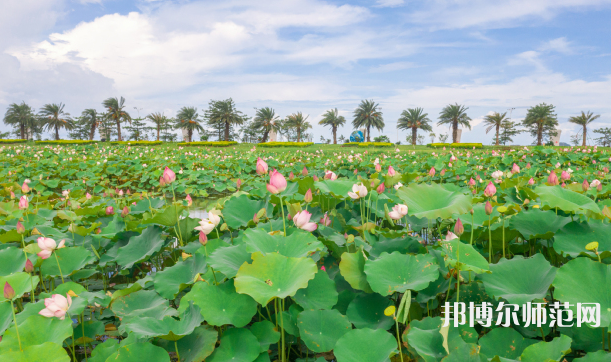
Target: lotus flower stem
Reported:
[(283, 218), (398, 336), (176, 348), (177, 227), (472, 230), (59, 267), (211, 268), (83, 330), (16, 327), (489, 242), (281, 303), (503, 218), (73, 348)]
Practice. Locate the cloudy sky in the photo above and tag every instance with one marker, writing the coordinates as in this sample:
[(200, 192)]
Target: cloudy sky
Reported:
[(312, 55)]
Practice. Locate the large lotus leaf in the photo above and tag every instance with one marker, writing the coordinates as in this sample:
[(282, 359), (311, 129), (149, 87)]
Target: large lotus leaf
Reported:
[(12, 260), (229, 259), (86, 332), (367, 311), (470, 259), (566, 200), (70, 260), (239, 211), (220, 304), (45, 352), (143, 303), (298, 244), (504, 342), (537, 223), (168, 327), (398, 272), (266, 333), (599, 356), (338, 188), (365, 345), (433, 201), (320, 329), (167, 217), (321, 293), (141, 247), (36, 330), (20, 282), (424, 338), (171, 281), (274, 276), (141, 351), (519, 280), (583, 338), (198, 345), (572, 239), (6, 316), (104, 350), (352, 268), (237, 345), (479, 217), (583, 280), (547, 351), (466, 353), (404, 245)]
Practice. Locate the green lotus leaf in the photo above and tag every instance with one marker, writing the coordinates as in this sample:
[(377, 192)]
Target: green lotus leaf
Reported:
[(104, 350), (198, 345), (365, 345), (528, 223), (220, 304), (321, 293), (470, 259), (34, 331), (547, 351), (240, 210), (229, 259), (266, 333), (519, 280), (6, 316), (321, 329), (171, 281), (398, 272), (274, 276), (352, 268), (20, 282), (598, 356), (12, 260), (583, 338), (337, 188), (367, 311), (140, 247), (504, 342), (404, 245), (45, 352), (168, 327), (143, 303), (582, 280), (298, 244), (167, 217), (237, 345), (70, 259), (566, 200), (572, 239), (424, 338), (141, 351), (466, 353), (263, 357), (91, 329), (433, 201)]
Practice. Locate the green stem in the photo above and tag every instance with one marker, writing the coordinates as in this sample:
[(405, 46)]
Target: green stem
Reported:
[(83, 330), (283, 218), (177, 228), (503, 218), (458, 272), (211, 268), (472, 230), (398, 337), (489, 241), (176, 348), (73, 349), (59, 267), (281, 302), (16, 327)]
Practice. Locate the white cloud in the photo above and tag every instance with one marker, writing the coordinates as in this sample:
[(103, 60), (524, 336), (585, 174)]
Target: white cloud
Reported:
[(389, 3), (560, 45), (392, 67)]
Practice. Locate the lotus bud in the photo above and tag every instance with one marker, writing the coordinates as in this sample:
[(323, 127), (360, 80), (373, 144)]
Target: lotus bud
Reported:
[(323, 268), (350, 239), (325, 220), (29, 267), (255, 218), (565, 176), (189, 200), (381, 188), (203, 239), (488, 208), (443, 172), (224, 227), (308, 196), (168, 176), (528, 165), (20, 228), (277, 183), (110, 210), (88, 196), (515, 168), (599, 188), (125, 211), (291, 176), (378, 167), (120, 192), (531, 181), (606, 169), (585, 186), (552, 179), (315, 178), (25, 188), (304, 172), (471, 212), (490, 190), (356, 170), (161, 183), (9, 292), (261, 166), (23, 202), (432, 172), (391, 171), (12, 195), (458, 227), (471, 182)]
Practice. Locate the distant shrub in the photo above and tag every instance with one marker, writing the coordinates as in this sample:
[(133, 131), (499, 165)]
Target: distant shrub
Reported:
[(375, 144), (66, 142), (455, 145), (285, 144), (136, 143), (13, 141), (209, 143)]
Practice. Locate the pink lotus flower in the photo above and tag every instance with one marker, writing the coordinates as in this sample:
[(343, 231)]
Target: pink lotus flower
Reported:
[(432, 172), (381, 188), (585, 186), (261, 166), (20, 228), (323, 268), (12, 195), (110, 210), (189, 200), (162, 182), (308, 196), (304, 172), (378, 167), (515, 168), (315, 178), (206, 226), (358, 191), (356, 170), (488, 208), (458, 227), (531, 181), (125, 211), (214, 217), (398, 186), (203, 239), (325, 220), (29, 267), (23, 202), (277, 183), (238, 184), (490, 190), (471, 182), (168, 176), (552, 179), (450, 236), (398, 211), (47, 246), (595, 183), (528, 165), (56, 306), (25, 188), (9, 292), (291, 176), (391, 171), (329, 175), (88, 196), (565, 176), (302, 221)]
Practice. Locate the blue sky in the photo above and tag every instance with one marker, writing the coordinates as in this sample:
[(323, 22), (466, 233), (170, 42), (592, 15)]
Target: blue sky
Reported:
[(313, 55)]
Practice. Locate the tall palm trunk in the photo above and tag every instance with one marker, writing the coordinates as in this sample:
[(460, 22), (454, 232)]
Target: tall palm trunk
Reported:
[(265, 134), (56, 133), (498, 126), (157, 133), (190, 134), (298, 134), (539, 133), (454, 131), (22, 129), (119, 130), (334, 135), (226, 131), (585, 131), (368, 134), (92, 132), (414, 135)]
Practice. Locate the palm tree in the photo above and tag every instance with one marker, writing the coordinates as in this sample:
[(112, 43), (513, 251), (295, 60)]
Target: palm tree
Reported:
[(187, 118), (333, 119), (159, 120), (53, 117), (116, 113), (494, 120), (21, 116), (224, 113), (583, 120), (299, 123), (266, 120), (454, 115), (93, 119), (414, 118), (368, 115), (539, 120)]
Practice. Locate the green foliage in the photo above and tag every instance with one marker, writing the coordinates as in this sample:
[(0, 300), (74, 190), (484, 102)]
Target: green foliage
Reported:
[(210, 144), (285, 144), (455, 145)]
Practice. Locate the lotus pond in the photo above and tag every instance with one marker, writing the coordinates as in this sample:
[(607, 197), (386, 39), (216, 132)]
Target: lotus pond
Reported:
[(193, 254)]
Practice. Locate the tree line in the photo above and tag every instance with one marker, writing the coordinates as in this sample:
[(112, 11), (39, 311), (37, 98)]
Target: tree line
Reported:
[(222, 117)]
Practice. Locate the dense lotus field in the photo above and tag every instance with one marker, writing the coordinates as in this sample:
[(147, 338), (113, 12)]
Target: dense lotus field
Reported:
[(302, 255)]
